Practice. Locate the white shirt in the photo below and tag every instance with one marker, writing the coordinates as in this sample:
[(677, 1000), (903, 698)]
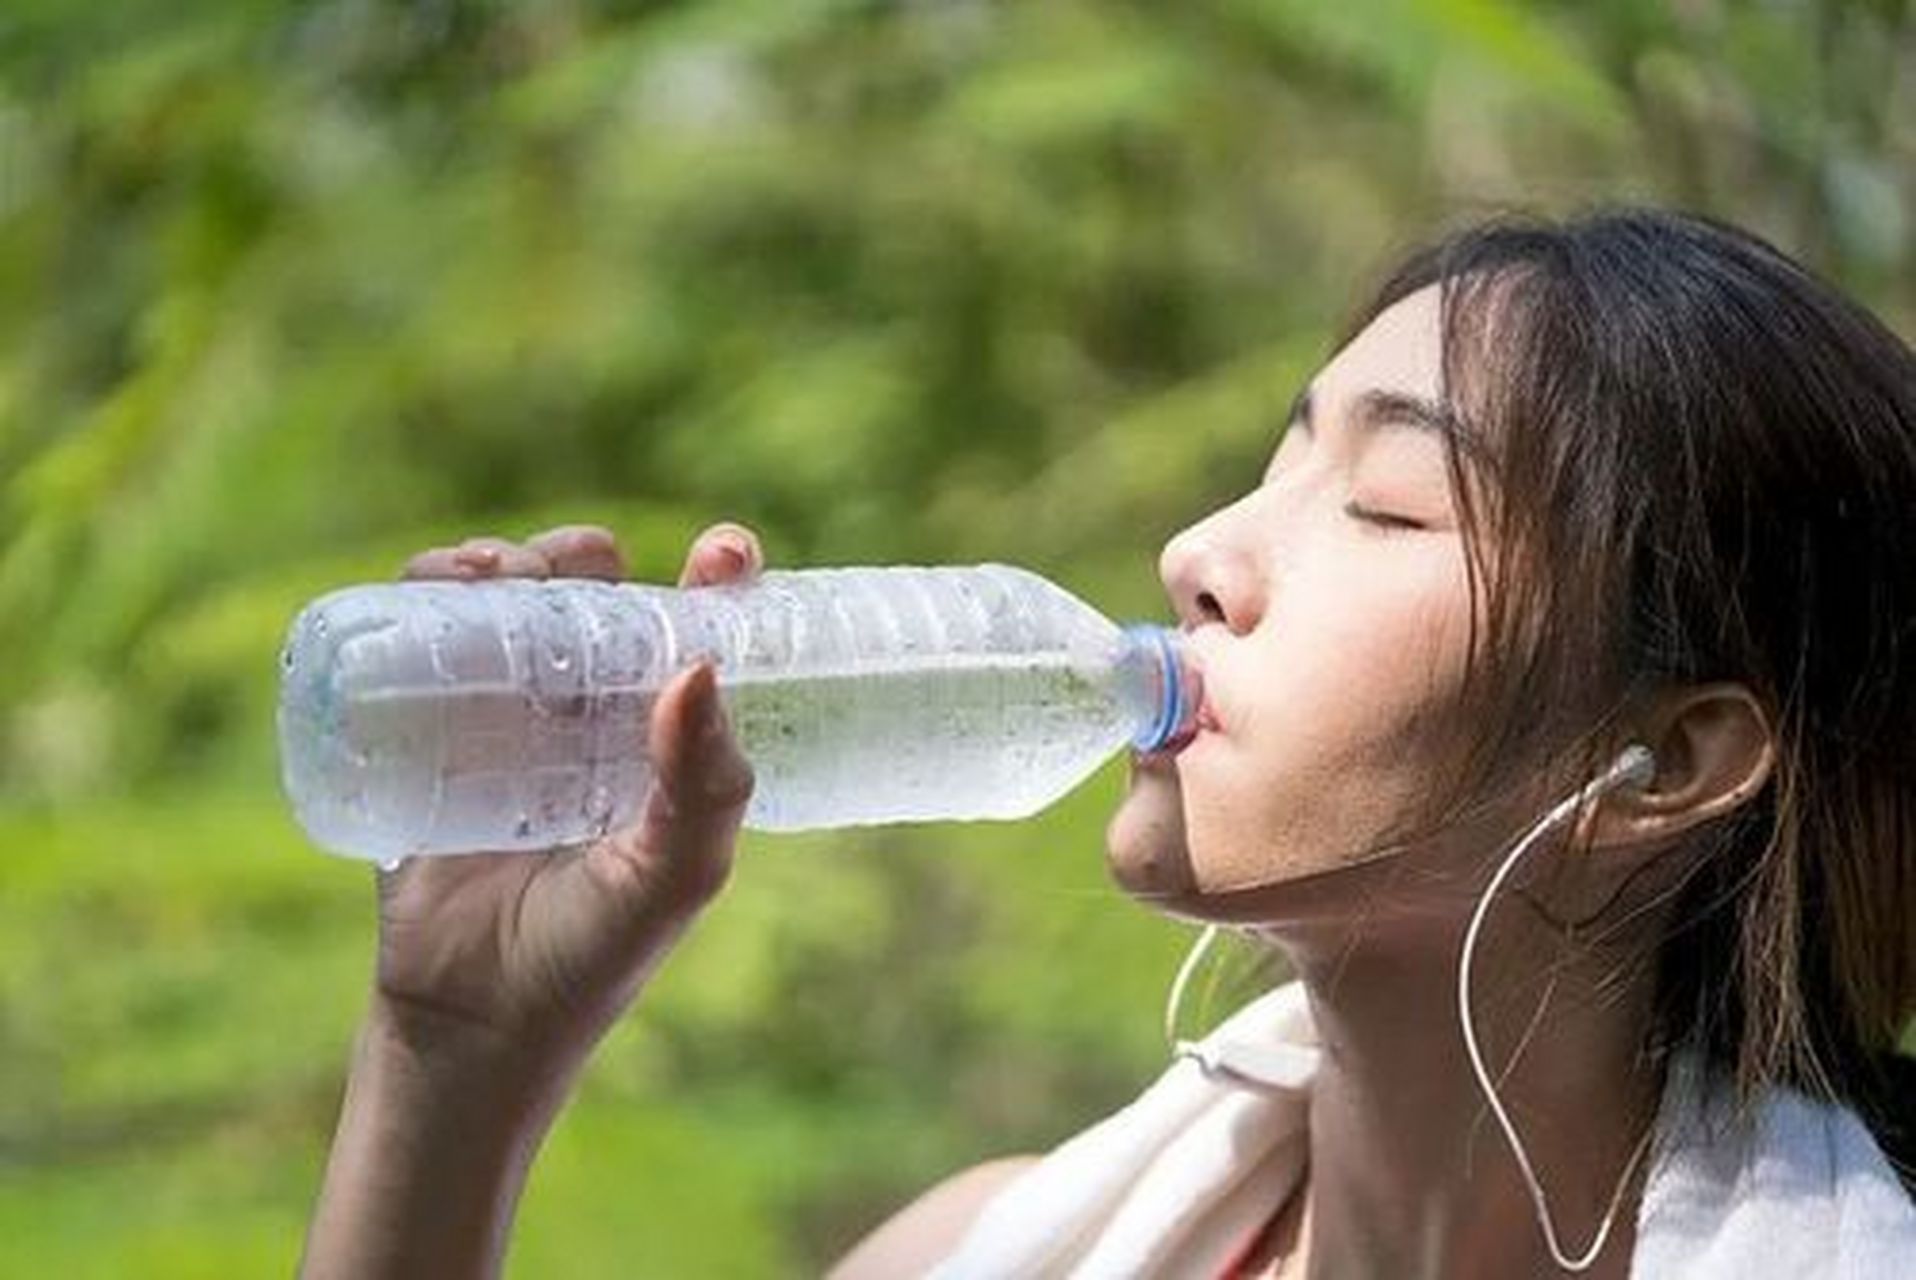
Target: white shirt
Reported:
[(1171, 1184)]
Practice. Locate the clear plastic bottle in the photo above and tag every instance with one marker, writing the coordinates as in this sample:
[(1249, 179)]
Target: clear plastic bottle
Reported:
[(445, 717)]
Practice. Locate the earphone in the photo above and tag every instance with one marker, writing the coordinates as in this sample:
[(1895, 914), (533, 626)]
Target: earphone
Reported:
[(1635, 766)]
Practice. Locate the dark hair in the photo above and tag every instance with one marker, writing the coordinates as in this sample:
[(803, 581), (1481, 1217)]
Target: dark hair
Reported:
[(1701, 466)]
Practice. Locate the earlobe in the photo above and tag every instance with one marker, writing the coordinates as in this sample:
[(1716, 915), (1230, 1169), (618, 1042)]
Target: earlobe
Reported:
[(1714, 751)]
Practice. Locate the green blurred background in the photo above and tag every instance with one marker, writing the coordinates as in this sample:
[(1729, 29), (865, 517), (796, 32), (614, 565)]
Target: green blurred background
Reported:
[(288, 291)]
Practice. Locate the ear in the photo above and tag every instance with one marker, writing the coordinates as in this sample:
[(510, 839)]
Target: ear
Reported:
[(1715, 751)]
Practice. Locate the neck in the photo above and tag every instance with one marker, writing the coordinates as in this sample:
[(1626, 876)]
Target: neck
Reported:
[(1410, 1174)]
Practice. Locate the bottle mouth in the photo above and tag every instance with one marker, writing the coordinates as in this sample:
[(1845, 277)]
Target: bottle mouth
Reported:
[(1177, 684)]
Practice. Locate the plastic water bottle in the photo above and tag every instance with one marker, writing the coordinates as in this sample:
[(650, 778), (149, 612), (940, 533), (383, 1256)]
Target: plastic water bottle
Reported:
[(447, 717)]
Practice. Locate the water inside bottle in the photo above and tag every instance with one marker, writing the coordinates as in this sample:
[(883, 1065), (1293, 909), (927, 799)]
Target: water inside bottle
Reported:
[(893, 742), (922, 739)]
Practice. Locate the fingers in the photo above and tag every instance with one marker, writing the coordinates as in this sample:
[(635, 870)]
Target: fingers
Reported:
[(725, 552), (438, 562), (570, 551), (580, 551), (479, 558), (680, 853)]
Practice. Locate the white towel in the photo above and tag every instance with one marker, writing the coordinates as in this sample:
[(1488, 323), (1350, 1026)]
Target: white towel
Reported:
[(1808, 1195), (1172, 1184)]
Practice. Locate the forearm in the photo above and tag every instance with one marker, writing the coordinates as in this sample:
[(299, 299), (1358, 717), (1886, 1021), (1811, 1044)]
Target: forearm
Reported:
[(428, 1161)]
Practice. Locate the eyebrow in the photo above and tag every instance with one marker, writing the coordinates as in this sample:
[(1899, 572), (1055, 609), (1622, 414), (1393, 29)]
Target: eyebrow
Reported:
[(1376, 411)]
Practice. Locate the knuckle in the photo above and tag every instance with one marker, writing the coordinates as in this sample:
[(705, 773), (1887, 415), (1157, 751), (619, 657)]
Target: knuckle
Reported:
[(425, 564), (591, 533), (584, 549), (728, 784), (668, 855)]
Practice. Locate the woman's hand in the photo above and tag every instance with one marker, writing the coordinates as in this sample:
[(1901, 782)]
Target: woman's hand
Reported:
[(535, 954), (497, 973)]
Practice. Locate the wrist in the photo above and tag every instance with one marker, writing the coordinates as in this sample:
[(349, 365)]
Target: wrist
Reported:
[(448, 1061), (440, 1124)]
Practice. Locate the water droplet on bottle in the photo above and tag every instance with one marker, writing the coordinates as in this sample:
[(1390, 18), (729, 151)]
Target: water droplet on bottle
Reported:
[(598, 808), (561, 660), (523, 827), (286, 659), (391, 865)]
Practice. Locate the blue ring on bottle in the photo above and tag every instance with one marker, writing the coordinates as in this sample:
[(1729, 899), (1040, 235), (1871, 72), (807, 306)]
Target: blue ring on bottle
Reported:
[(1171, 702)]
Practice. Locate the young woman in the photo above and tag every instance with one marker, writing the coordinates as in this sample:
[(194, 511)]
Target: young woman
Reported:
[(1558, 734)]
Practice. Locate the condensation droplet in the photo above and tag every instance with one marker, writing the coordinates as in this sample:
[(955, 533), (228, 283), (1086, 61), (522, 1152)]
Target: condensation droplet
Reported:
[(390, 865), (598, 808), (523, 827), (561, 660)]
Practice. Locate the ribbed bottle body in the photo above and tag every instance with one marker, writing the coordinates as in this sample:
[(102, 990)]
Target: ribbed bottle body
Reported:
[(437, 717)]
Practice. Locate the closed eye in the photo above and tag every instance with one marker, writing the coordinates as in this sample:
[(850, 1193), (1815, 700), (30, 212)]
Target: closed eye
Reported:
[(1382, 519)]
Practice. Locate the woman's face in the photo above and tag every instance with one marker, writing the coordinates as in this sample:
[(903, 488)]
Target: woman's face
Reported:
[(1329, 608)]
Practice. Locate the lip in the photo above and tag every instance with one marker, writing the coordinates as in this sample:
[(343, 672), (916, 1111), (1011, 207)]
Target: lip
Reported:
[(1204, 722), (1206, 718)]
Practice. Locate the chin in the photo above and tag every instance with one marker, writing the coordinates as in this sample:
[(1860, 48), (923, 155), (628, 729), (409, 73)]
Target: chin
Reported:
[(1144, 843)]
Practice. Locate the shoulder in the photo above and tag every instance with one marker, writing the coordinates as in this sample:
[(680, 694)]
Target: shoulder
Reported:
[(1802, 1190), (925, 1231)]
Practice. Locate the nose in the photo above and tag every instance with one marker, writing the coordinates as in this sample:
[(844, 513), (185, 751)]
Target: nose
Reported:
[(1212, 577)]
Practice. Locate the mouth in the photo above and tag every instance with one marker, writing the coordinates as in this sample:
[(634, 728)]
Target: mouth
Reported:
[(1204, 722)]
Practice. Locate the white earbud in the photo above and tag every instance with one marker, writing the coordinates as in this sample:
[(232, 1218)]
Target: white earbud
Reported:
[(1635, 767)]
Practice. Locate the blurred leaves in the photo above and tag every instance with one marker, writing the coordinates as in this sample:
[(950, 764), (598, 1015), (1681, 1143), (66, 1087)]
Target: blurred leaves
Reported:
[(288, 291)]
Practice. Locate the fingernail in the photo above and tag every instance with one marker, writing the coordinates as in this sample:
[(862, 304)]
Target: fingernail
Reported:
[(708, 709), (736, 553), (477, 556)]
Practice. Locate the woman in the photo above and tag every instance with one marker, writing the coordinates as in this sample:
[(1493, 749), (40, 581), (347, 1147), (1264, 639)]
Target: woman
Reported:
[(1633, 481)]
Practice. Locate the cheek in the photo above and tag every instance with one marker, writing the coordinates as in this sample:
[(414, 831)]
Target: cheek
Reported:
[(1335, 741)]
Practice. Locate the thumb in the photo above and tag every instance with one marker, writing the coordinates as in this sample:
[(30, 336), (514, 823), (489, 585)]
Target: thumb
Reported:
[(679, 854)]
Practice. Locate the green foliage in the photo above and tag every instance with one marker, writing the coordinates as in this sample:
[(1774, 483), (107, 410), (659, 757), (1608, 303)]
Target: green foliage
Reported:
[(289, 291)]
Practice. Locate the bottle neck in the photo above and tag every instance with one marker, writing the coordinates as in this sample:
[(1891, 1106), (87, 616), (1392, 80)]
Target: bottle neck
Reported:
[(1159, 659)]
